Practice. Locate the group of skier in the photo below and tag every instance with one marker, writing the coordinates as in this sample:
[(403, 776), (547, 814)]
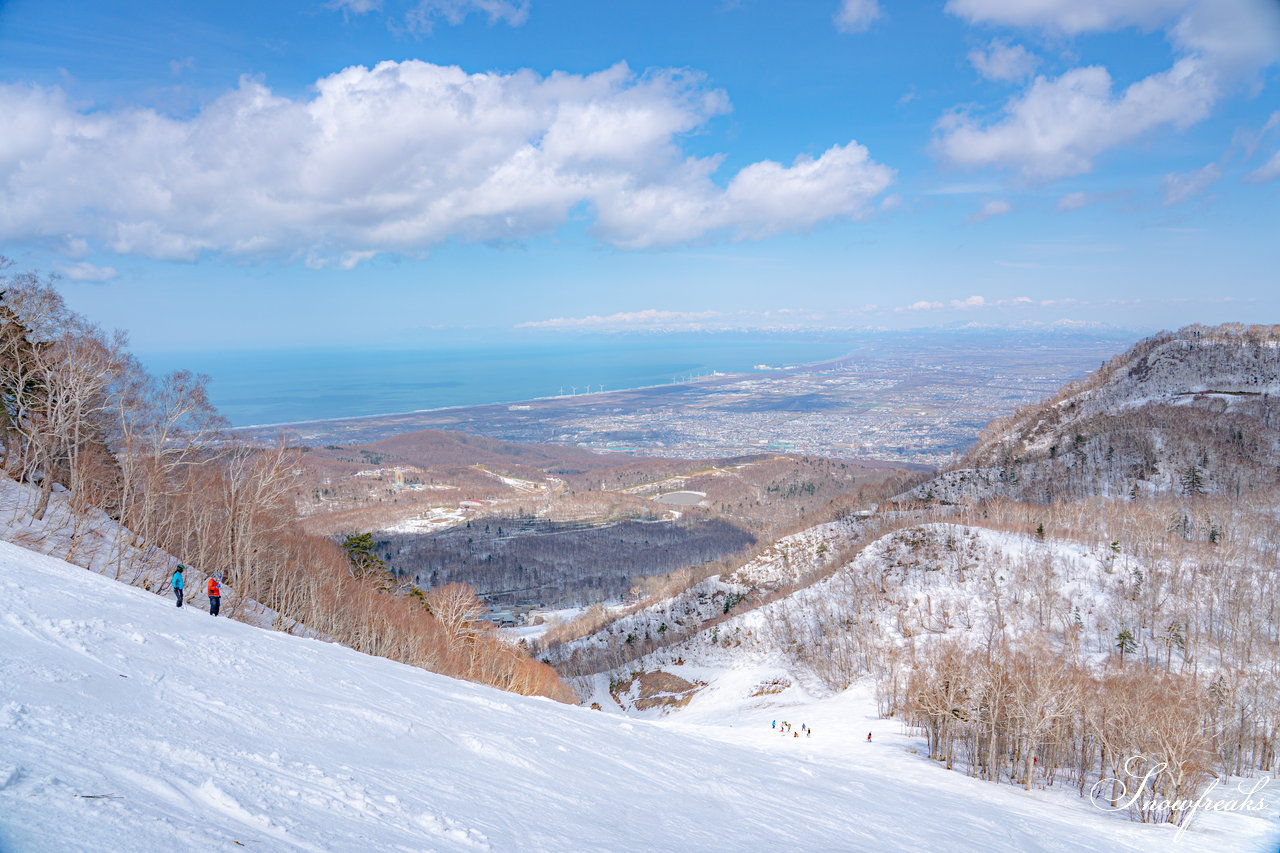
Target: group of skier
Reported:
[(213, 587), (786, 727), (808, 731)]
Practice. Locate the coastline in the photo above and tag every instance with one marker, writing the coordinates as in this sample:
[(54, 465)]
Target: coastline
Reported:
[(701, 380), (898, 402)]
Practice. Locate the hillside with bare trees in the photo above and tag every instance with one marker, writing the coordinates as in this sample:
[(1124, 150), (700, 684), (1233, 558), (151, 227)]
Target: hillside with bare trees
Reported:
[(145, 467)]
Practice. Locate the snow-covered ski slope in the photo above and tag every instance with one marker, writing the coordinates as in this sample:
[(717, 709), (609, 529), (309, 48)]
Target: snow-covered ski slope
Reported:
[(128, 725)]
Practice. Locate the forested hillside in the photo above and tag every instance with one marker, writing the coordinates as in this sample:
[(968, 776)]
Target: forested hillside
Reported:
[(82, 423), (558, 564)]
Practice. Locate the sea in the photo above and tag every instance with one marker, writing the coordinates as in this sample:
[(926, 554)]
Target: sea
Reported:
[(257, 387)]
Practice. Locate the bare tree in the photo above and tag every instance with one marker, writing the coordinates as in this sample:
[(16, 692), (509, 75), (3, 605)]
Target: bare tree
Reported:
[(458, 610)]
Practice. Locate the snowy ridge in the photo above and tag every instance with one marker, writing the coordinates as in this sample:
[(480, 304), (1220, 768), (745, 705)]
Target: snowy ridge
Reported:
[(918, 585), (685, 612), (1199, 397), (1185, 364), (793, 557), (785, 562), (926, 581), (127, 724)]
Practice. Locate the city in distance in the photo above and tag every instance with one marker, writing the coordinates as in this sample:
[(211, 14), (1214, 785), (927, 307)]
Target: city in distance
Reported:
[(913, 396)]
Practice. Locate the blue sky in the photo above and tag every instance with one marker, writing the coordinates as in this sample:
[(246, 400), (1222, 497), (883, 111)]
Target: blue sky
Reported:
[(406, 172)]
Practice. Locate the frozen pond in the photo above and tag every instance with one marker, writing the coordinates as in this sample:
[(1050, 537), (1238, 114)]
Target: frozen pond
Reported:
[(682, 498)]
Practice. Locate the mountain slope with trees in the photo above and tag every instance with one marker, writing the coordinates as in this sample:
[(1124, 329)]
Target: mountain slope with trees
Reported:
[(1192, 412), (83, 423)]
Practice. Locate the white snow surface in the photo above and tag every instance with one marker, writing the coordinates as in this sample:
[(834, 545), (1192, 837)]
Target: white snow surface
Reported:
[(515, 482), (127, 724), (430, 520)]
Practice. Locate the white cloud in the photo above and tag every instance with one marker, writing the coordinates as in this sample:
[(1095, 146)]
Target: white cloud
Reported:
[(996, 207), (424, 15), (763, 199), (177, 66), (1250, 141), (1179, 188), (1058, 126), (1246, 141), (75, 247), (1003, 62), (1073, 201), (85, 271), (401, 157), (344, 261), (1235, 36), (977, 301), (1268, 171), (1068, 16), (857, 16), (355, 7), (648, 318)]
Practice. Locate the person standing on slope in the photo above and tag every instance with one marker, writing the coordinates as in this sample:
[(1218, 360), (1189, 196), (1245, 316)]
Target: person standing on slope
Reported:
[(178, 582), (215, 595)]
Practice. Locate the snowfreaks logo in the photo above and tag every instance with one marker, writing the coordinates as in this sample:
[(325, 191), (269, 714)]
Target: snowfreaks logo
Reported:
[(1148, 789)]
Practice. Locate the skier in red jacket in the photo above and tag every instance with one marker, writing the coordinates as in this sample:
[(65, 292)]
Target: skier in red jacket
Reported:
[(215, 594)]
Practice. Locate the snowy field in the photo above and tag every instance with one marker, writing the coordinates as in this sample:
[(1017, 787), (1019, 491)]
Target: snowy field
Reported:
[(127, 724)]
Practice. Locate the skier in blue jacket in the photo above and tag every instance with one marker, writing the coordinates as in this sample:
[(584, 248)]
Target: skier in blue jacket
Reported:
[(178, 583)]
